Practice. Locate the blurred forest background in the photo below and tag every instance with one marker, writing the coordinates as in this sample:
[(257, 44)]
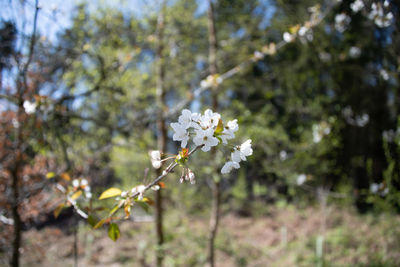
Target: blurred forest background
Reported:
[(87, 88)]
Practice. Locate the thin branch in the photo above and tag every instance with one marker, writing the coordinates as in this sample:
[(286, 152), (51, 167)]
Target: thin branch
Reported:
[(168, 170), (233, 71), (32, 44)]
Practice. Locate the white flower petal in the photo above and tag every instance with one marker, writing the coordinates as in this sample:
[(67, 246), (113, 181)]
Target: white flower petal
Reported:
[(229, 166)]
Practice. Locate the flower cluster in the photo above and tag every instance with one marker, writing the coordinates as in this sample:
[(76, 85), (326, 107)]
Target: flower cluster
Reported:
[(304, 32), (357, 5), (82, 185), (210, 81), (379, 189), (320, 130), (206, 131), (341, 22), (378, 15)]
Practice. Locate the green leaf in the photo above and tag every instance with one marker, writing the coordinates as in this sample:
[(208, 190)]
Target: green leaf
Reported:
[(113, 231), (50, 175), (111, 192), (91, 221)]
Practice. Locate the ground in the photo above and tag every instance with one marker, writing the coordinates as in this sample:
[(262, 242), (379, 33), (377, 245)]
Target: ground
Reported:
[(280, 237)]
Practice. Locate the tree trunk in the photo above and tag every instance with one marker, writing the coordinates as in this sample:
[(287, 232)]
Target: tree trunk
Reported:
[(16, 217), (214, 221), (76, 239), (162, 132), (216, 194)]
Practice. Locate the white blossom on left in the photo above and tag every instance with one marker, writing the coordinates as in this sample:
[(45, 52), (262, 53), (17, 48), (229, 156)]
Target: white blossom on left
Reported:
[(30, 107)]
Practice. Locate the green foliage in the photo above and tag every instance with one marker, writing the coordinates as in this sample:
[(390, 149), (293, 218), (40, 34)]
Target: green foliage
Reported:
[(113, 231)]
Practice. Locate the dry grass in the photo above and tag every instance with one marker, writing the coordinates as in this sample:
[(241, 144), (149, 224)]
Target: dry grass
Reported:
[(284, 237)]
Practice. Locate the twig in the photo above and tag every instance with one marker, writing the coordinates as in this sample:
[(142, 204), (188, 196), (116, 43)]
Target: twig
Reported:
[(150, 185), (31, 46), (230, 73)]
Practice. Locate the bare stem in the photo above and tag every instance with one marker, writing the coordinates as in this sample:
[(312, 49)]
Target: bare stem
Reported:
[(168, 170)]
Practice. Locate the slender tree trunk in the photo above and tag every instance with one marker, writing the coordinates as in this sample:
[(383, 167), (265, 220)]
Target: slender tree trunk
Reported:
[(15, 173), (16, 217), (75, 229), (216, 193), (214, 221), (162, 132), (22, 86)]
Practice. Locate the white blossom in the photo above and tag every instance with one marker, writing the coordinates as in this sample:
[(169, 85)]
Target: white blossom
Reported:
[(317, 136), (386, 3), (378, 15), (357, 5), (240, 153), (30, 107), (303, 30), (190, 176), (283, 155), (301, 179), (15, 123), (305, 34), (229, 131), (209, 119), (84, 183), (75, 183), (185, 119), (385, 191), (287, 37), (381, 188), (155, 187), (180, 133), (362, 120), (211, 80), (354, 52), (229, 166), (389, 135), (138, 189), (384, 74), (325, 56), (258, 55), (341, 22), (155, 157), (205, 84), (205, 138)]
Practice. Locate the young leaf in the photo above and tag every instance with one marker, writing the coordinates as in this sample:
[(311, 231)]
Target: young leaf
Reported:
[(58, 210), (127, 209), (220, 127), (65, 176), (50, 175), (76, 195), (148, 200), (113, 231), (161, 184), (111, 192)]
